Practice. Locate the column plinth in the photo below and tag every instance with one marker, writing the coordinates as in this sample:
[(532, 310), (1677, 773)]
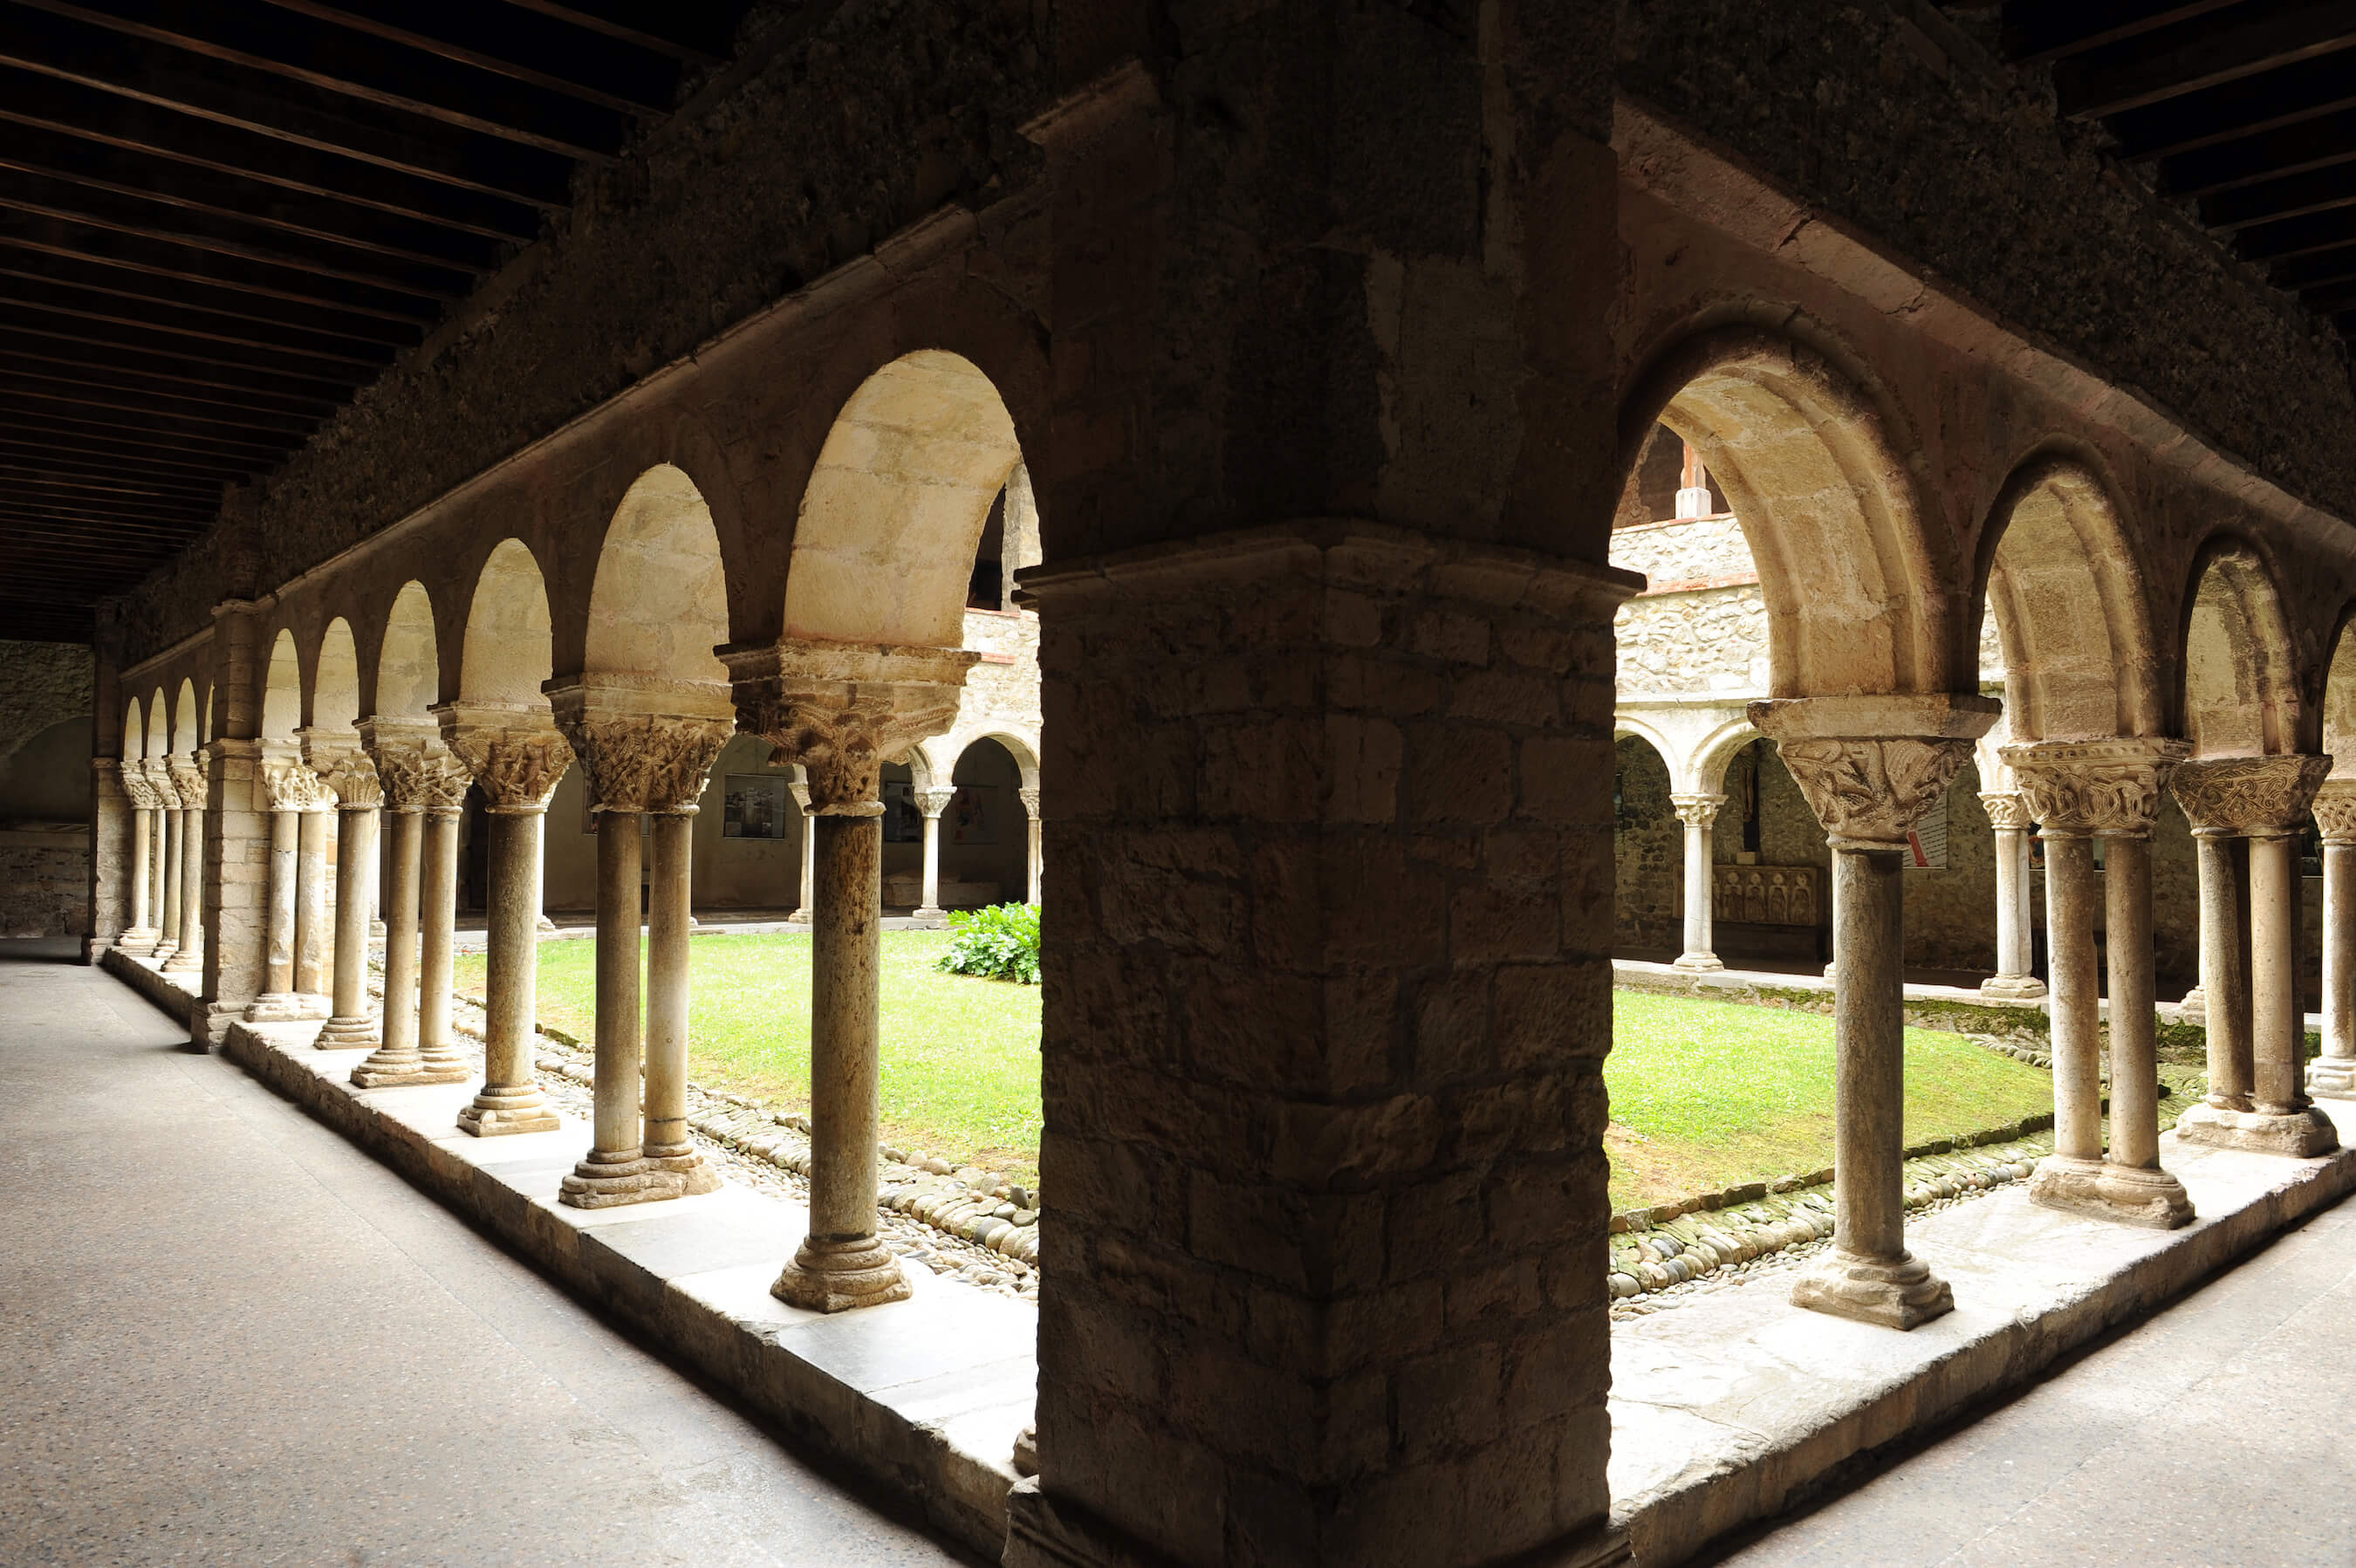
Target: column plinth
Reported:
[(517, 757), (648, 748), (1871, 766), (839, 710), (2076, 791), (2257, 1098), (1698, 812)]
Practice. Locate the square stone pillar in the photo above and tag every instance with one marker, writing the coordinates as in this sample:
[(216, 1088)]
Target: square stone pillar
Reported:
[(112, 820), (1327, 987)]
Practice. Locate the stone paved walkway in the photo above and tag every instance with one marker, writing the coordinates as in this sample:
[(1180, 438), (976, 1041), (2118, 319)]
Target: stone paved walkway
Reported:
[(226, 1336), (2214, 1434)]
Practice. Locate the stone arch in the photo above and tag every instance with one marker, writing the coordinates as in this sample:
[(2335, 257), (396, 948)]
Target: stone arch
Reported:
[(884, 544), (1024, 751), (2071, 608), (1717, 752), (507, 650), (186, 721), (407, 666), (159, 726), (335, 680), (1812, 466), (282, 690), (2339, 698), (1625, 726), (658, 604), (134, 732), (2240, 681)]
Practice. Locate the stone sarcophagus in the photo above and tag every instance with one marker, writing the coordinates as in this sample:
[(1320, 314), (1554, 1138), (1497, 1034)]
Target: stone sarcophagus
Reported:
[(1766, 894)]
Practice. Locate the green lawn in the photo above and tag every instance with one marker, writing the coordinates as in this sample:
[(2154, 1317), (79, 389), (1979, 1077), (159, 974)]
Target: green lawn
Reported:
[(1704, 1094), (961, 1055)]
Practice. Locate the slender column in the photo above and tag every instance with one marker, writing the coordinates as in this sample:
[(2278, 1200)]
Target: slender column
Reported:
[(2075, 790), (1030, 798), (1698, 812), (2256, 1095), (311, 910), (419, 778), (396, 1060), (2015, 978), (139, 937), (932, 802), (358, 795), (645, 750), (1872, 766), (174, 830), (667, 1144), (837, 711), (159, 863), (516, 758), (2332, 1075), (291, 791), (188, 782), (807, 908), (438, 946)]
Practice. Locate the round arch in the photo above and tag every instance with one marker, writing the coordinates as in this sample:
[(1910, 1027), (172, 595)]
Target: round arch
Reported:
[(1716, 753), (2339, 698), (658, 604), (2240, 682), (885, 544), (407, 666), (186, 721), (336, 679), (159, 727), (1624, 728), (2055, 548), (1811, 468), (134, 733), (507, 652), (282, 690)]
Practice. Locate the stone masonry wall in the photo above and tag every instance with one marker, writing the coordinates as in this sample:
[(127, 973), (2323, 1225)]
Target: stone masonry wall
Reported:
[(1648, 851), (44, 885), (1711, 640)]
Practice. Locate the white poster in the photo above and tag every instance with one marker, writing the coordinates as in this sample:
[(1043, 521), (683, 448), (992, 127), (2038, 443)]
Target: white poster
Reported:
[(1927, 844)]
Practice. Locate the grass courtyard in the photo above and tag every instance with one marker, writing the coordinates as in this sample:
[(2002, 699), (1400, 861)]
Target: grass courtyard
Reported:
[(1704, 1094)]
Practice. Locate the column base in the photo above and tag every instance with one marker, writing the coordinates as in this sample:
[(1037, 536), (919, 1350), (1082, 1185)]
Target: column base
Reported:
[(137, 942), (839, 1276), (802, 916), (2299, 1135), (1698, 962), (346, 1034), (1890, 1293), (2333, 1077), (599, 1182), (928, 912), (185, 960), (2194, 1008), (511, 1108), (390, 1069), (285, 1007), (543, 924), (2127, 1194), (162, 951), (2013, 987)]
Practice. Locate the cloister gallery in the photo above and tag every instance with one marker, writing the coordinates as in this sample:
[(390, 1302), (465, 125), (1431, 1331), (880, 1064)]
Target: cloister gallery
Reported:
[(1362, 514)]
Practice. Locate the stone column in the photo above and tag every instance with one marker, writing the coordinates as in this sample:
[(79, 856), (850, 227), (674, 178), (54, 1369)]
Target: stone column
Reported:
[(312, 935), (932, 802), (2076, 791), (170, 834), (1030, 798), (111, 824), (2332, 1075), (516, 758), (805, 905), (139, 937), (291, 791), (2256, 1037), (438, 942), (1698, 812), (666, 1144), (647, 747), (2015, 979), (189, 783), (1871, 766), (413, 766), (358, 795), (838, 710)]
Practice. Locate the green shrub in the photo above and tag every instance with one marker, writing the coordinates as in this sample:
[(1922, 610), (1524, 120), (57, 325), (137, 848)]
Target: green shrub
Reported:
[(1001, 943)]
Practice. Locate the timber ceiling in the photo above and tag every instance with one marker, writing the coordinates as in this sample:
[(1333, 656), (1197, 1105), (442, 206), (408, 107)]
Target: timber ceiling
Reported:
[(2245, 109), (220, 219)]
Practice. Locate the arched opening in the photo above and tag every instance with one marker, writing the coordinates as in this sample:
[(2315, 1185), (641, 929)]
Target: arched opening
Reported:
[(186, 721), (506, 655), (1647, 851), (158, 740), (2068, 604), (659, 604), (281, 691), (134, 732), (408, 669), (335, 687), (2241, 688)]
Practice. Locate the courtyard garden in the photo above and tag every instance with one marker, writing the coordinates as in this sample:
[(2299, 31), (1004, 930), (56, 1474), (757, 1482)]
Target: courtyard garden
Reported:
[(1705, 1095)]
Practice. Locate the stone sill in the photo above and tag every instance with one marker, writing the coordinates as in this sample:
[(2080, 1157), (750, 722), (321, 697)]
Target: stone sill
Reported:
[(170, 993), (923, 1397), (1729, 1409)]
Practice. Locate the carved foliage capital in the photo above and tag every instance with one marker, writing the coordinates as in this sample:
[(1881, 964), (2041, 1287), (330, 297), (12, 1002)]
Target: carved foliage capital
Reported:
[(1697, 810), (2248, 794), (2007, 809), (840, 710), (293, 787), (1030, 798), (516, 765), (2094, 786), (418, 775), (159, 779), (646, 762), (187, 782), (2335, 810), (932, 802), (139, 787), (1870, 789)]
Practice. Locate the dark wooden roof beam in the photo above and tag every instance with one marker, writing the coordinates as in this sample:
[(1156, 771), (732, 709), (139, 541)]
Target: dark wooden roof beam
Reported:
[(2295, 196), (271, 106), (203, 304), (162, 513), (2310, 271), (158, 433), (322, 378), (91, 390), (64, 236), (113, 373), (693, 34), (367, 69), (2296, 236), (2293, 149), (2037, 30), (2203, 51), (128, 478), (581, 64), (2236, 109), (40, 449), (173, 330)]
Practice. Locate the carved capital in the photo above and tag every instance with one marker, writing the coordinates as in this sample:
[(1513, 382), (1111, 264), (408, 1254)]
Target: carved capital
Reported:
[(187, 782), (2096, 786), (337, 757), (2007, 809), (1030, 798), (136, 785), (293, 787), (2248, 794), (417, 771), (932, 802), (159, 779), (840, 709), (648, 745), (1871, 766), (2335, 810), (514, 752), (1697, 810)]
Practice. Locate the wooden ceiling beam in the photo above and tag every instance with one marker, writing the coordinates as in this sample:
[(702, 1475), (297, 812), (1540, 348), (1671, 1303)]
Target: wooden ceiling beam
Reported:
[(177, 464), (72, 393), (2038, 30), (180, 325), (183, 299), (662, 27), (2295, 196), (2313, 144), (2232, 110), (330, 379), (596, 69), (70, 237), (166, 433), (2200, 52), (124, 371)]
